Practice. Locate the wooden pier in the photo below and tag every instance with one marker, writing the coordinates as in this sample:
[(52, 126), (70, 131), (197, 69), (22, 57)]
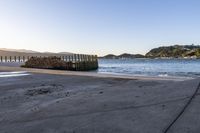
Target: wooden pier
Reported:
[(76, 62)]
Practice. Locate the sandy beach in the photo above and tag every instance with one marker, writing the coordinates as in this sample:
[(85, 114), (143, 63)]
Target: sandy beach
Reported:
[(49, 101)]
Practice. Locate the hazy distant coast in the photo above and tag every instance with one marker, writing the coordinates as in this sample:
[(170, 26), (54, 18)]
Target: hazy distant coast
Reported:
[(175, 51), (24, 52)]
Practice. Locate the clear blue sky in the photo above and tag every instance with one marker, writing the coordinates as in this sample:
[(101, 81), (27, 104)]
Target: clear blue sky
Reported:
[(98, 26)]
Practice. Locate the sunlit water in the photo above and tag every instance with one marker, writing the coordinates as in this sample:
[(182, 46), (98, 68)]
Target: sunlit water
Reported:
[(151, 67), (13, 74)]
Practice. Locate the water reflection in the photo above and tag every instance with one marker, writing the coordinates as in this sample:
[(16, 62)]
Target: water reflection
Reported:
[(13, 74)]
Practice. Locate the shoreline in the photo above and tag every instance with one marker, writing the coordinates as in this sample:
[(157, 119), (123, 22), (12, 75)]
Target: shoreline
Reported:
[(90, 74)]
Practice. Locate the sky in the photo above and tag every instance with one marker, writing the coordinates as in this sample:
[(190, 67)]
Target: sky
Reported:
[(98, 26)]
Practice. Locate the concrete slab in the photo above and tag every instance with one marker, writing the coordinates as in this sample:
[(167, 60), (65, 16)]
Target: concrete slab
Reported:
[(189, 120)]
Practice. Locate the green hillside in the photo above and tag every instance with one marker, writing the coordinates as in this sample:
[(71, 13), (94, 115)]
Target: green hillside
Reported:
[(176, 51)]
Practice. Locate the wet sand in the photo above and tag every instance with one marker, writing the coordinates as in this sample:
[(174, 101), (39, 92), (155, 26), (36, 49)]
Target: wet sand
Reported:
[(49, 101), (88, 74)]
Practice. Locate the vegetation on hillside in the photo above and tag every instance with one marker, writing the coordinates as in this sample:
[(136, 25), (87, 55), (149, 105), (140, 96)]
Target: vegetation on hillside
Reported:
[(176, 51), (123, 56)]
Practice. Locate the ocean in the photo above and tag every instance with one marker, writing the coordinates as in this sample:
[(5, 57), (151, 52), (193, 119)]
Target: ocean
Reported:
[(151, 67)]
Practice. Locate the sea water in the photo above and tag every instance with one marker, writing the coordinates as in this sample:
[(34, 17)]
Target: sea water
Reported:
[(151, 67)]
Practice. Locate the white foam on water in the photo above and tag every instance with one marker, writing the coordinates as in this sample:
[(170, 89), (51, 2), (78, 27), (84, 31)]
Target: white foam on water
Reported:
[(163, 68), (163, 75)]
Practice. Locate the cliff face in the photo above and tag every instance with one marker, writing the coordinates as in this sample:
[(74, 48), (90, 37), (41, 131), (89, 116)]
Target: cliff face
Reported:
[(175, 51)]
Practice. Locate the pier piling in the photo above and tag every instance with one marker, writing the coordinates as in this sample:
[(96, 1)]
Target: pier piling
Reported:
[(75, 62)]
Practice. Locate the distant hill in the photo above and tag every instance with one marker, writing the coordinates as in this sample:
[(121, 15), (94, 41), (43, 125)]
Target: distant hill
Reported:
[(110, 56), (64, 53), (23, 52), (123, 56), (175, 51), (19, 50)]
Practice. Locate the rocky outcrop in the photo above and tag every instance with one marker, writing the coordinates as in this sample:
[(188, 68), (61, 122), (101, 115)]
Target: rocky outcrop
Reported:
[(46, 63), (58, 64)]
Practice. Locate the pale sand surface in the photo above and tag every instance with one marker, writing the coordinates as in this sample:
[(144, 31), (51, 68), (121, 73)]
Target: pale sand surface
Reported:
[(52, 102)]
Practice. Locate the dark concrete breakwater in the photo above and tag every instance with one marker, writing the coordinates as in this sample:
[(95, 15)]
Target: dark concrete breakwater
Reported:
[(73, 62)]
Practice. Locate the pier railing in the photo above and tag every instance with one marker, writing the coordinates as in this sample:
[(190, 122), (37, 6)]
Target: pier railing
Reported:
[(74, 61), (67, 58)]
